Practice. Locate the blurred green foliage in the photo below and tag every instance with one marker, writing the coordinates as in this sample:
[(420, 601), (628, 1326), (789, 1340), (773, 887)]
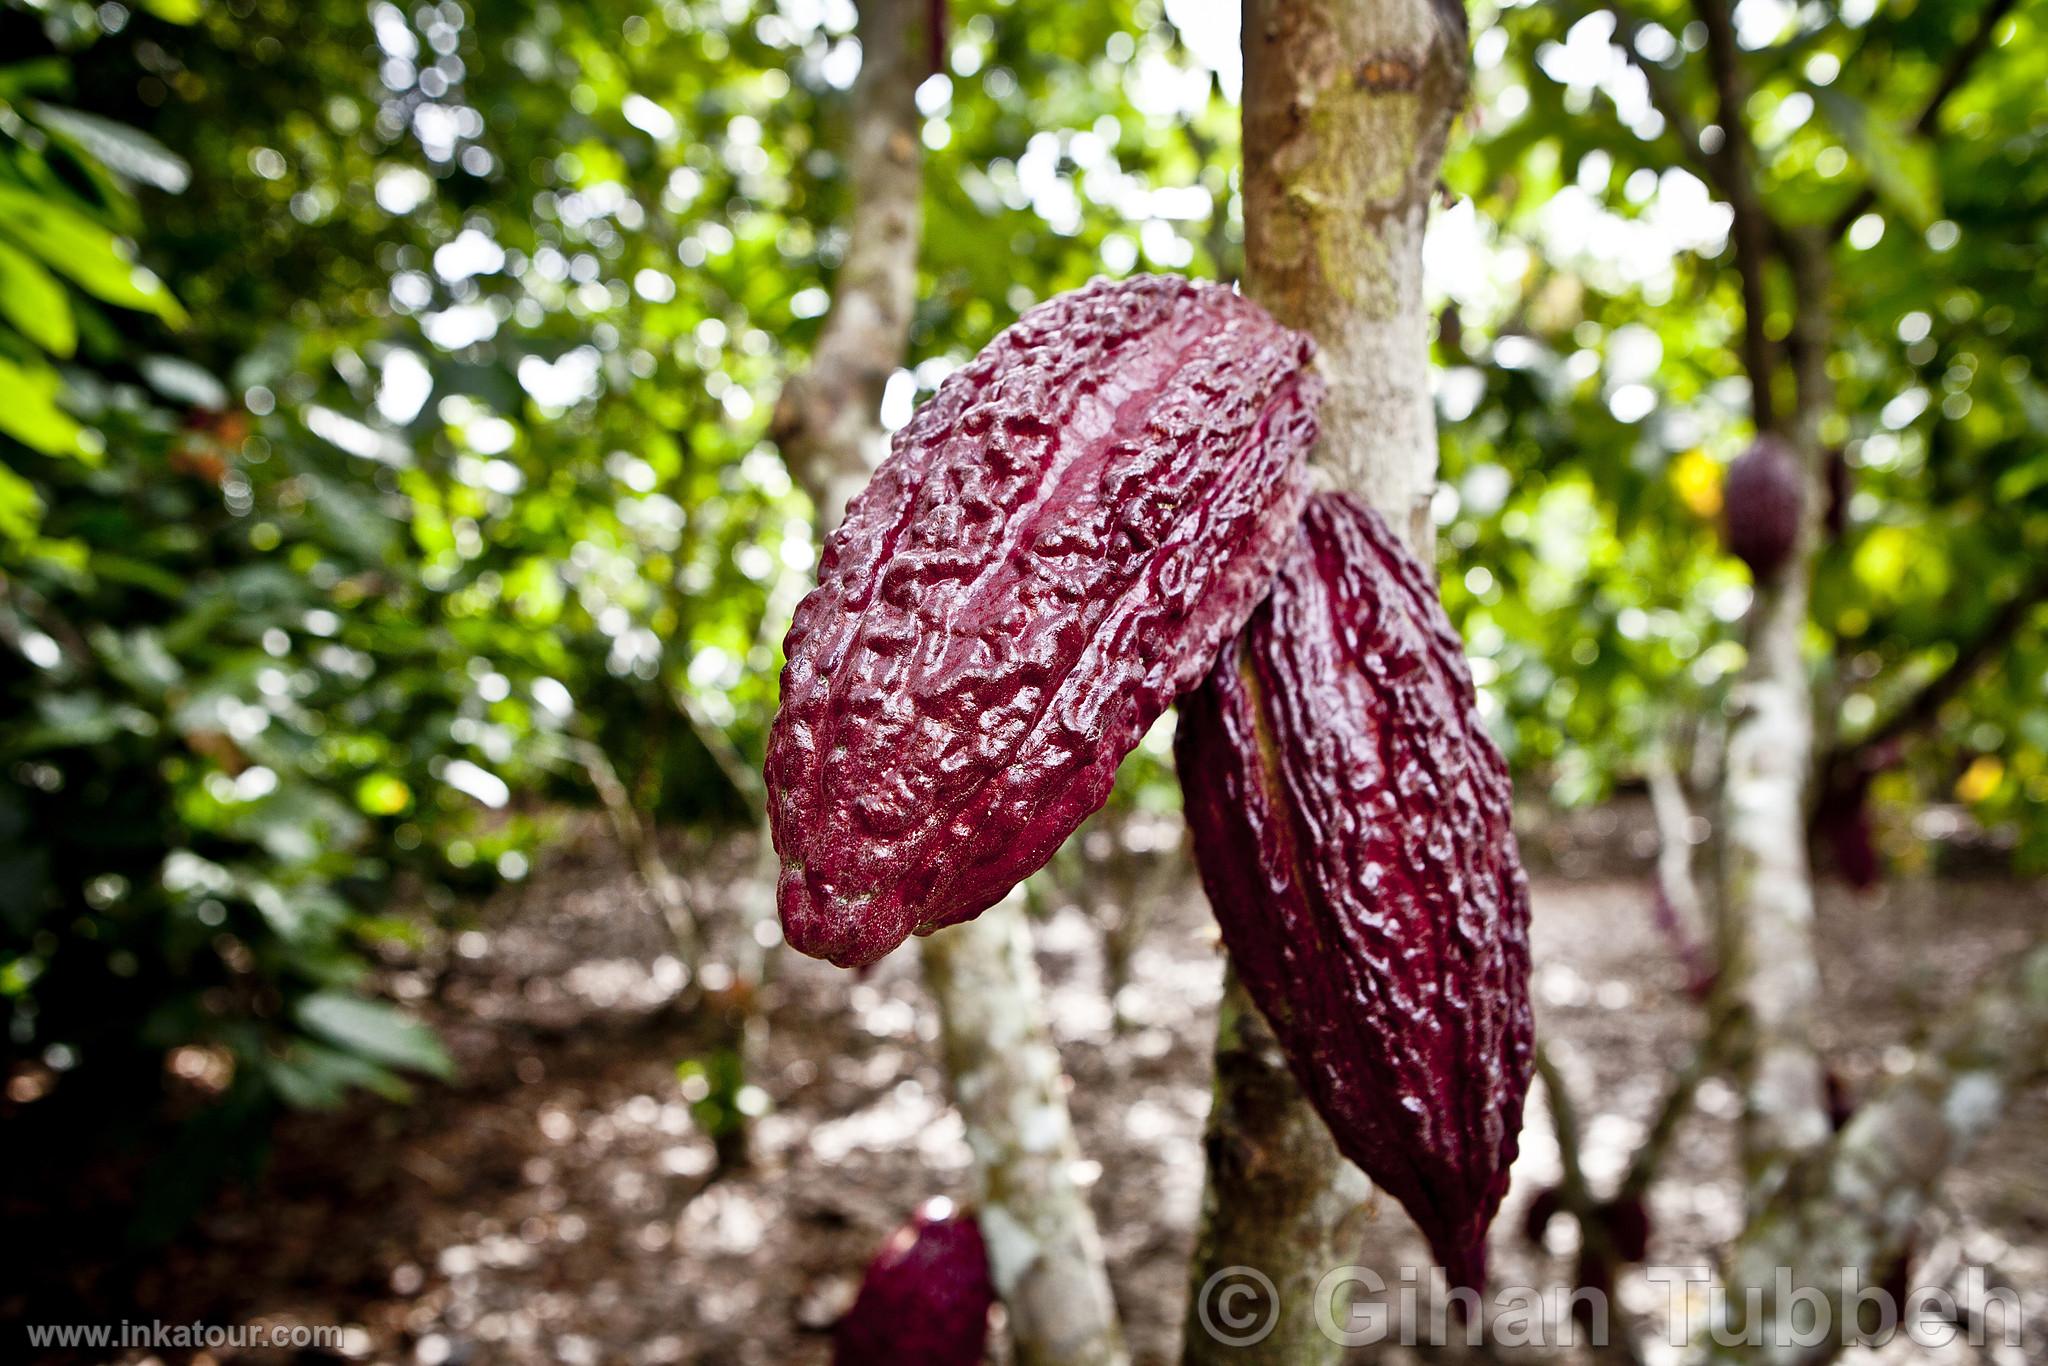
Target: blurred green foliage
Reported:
[(1593, 393), (386, 392)]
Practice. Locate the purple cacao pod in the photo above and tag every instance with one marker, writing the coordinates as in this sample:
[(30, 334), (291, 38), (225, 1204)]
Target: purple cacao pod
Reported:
[(1762, 504), (925, 1298), (1351, 821), (1056, 547)]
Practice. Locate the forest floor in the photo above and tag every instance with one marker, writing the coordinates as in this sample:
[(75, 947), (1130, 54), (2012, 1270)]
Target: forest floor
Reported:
[(556, 1202)]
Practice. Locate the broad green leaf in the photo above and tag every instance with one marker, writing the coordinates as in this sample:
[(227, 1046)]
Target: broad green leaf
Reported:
[(46, 74), (34, 302), (88, 253), (21, 509), (374, 1030), (29, 411), (176, 11), (124, 150), (311, 1076)]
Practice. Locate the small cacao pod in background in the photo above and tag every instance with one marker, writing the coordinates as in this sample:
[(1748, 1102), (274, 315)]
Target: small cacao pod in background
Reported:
[(1055, 548), (1351, 822), (925, 1298), (1762, 503)]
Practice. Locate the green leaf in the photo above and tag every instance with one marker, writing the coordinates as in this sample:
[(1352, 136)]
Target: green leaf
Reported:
[(311, 1076), (47, 74), (375, 1031), (1902, 168), (34, 302), (124, 150), (88, 253), (30, 413), (21, 508), (176, 11)]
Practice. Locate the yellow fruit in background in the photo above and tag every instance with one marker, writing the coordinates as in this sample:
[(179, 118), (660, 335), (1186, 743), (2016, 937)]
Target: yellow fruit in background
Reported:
[(1697, 478)]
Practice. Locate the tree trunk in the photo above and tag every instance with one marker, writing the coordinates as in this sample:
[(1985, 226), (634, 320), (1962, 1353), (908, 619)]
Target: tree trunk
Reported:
[(1347, 108), (826, 420), (1769, 977), (1008, 1083), (1003, 1068)]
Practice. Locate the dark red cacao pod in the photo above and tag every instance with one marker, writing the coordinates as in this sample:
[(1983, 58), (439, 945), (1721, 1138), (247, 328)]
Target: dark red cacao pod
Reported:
[(925, 1298), (1351, 822), (1762, 503), (1055, 548)]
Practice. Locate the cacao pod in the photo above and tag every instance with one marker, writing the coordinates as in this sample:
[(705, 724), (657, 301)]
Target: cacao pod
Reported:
[(1762, 504), (1056, 547), (1351, 823), (925, 1298)]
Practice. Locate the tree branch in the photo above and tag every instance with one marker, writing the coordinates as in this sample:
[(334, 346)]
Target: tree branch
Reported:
[(1680, 911), (1754, 231), (1871, 750), (1854, 1202), (1953, 74)]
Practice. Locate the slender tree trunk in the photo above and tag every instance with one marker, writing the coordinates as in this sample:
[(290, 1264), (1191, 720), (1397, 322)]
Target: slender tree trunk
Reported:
[(1347, 108), (1000, 1060), (1769, 976), (1768, 980), (1008, 1083)]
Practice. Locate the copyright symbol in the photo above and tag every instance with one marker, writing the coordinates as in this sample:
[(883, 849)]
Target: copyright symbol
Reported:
[(1238, 1306)]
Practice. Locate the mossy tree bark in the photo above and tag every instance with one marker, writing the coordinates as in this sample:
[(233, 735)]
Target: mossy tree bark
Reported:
[(1348, 105)]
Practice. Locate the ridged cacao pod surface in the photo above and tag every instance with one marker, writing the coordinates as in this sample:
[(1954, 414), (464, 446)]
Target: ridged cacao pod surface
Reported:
[(1762, 502), (1351, 822), (1057, 545), (925, 1298)]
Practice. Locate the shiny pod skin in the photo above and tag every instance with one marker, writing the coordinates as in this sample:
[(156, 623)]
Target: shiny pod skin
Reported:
[(1057, 545)]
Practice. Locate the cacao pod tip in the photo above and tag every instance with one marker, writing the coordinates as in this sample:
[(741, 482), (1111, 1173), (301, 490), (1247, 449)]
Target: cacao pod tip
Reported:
[(845, 932)]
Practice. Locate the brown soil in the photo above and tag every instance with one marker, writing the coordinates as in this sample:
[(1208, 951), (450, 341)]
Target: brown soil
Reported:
[(558, 1203)]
